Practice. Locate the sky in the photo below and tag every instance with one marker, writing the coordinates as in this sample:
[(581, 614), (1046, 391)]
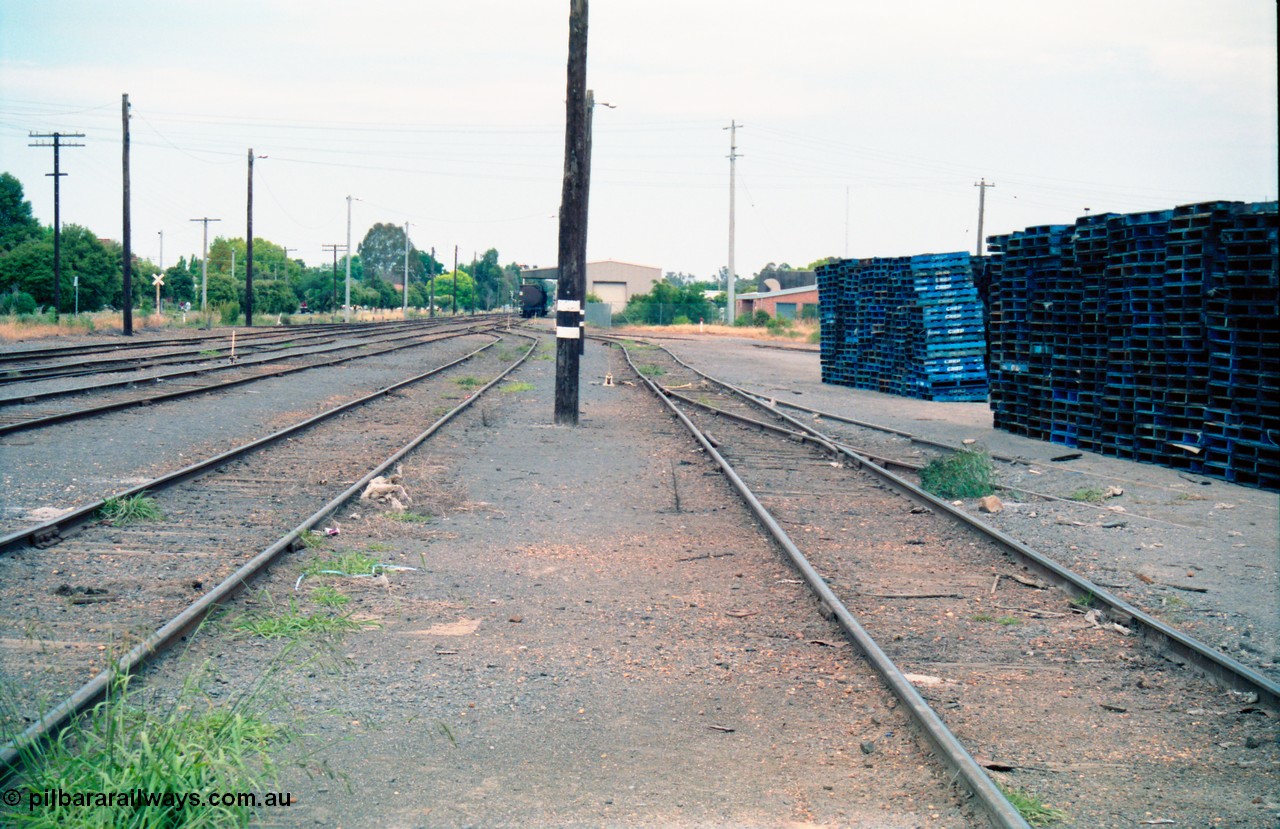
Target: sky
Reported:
[(866, 125)]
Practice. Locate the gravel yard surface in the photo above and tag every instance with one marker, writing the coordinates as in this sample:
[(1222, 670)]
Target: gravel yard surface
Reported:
[(596, 635), (70, 464), (1198, 553), (584, 627)]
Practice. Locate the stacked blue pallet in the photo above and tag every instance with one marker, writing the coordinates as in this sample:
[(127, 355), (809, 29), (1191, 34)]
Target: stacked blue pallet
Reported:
[(910, 326), (1020, 327), (1152, 336)]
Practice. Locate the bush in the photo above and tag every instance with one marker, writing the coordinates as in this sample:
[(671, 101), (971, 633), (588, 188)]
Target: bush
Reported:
[(760, 319), (965, 474), (681, 319), (17, 302), (229, 313)]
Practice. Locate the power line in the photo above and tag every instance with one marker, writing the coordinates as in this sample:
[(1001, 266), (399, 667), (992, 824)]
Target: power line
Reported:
[(57, 173)]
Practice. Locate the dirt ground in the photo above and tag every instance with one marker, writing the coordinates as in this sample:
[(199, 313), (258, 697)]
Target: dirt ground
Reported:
[(595, 634)]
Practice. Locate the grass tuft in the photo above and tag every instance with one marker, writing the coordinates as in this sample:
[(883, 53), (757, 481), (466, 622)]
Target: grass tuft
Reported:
[(292, 624), (650, 370), (122, 746), (964, 474), (133, 509), (469, 382), (1089, 495), (329, 597), (342, 564), (517, 386), (410, 517), (1031, 808)]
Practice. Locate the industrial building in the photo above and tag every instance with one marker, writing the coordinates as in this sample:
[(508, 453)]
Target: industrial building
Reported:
[(787, 304), (613, 281)]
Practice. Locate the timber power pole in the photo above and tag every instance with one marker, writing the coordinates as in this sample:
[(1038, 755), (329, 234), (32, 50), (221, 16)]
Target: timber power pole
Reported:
[(335, 248), (455, 280), (57, 143), (127, 255), (573, 221), (431, 285), (248, 250), (982, 186), (204, 265), (731, 308)]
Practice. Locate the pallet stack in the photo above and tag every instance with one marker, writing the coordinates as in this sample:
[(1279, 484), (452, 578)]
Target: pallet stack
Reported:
[(1152, 336), (909, 326)]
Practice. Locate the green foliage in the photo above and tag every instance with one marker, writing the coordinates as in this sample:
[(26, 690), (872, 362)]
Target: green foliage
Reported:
[(342, 564), (229, 313), (650, 370), (293, 624), (964, 474), (121, 512), (29, 267), (1031, 808), (1089, 495), (383, 254), (327, 596), (124, 745), (664, 304), (17, 302), (444, 286), (274, 296), (760, 318), (17, 223), (517, 386)]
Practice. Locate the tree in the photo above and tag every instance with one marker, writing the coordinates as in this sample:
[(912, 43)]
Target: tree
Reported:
[(466, 290), (17, 224), (29, 266), (665, 302), (383, 254)]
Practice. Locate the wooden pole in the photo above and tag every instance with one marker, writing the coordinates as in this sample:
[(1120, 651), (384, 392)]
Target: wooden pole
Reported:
[(248, 251), (573, 225), (127, 256)]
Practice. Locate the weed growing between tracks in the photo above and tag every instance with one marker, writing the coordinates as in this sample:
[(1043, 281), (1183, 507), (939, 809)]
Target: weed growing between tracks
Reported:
[(121, 512), (119, 746), (1031, 808), (965, 474), (293, 624)]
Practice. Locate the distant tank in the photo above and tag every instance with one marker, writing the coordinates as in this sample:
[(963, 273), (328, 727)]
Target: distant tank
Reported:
[(534, 300)]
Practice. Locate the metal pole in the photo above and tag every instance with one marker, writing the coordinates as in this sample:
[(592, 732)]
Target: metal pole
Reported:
[(127, 253), (161, 232), (346, 317), (431, 287), (982, 186), (248, 251), (455, 280), (731, 309), (405, 308)]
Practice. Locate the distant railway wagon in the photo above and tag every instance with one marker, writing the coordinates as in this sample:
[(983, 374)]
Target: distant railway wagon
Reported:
[(534, 299)]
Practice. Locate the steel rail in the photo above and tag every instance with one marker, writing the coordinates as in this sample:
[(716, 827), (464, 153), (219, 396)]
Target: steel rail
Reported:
[(140, 345), (11, 754), (950, 751), (49, 532), (93, 411), (1220, 667), (264, 357)]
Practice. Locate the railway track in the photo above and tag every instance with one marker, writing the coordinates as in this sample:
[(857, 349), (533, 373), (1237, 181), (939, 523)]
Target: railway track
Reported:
[(1047, 680), (29, 365), (106, 597), (25, 408)]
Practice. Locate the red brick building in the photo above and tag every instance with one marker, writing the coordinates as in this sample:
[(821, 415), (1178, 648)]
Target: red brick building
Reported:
[(788, 303)]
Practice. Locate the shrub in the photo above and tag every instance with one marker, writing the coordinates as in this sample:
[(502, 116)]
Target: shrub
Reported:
[(965, 474), (17, 302)]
